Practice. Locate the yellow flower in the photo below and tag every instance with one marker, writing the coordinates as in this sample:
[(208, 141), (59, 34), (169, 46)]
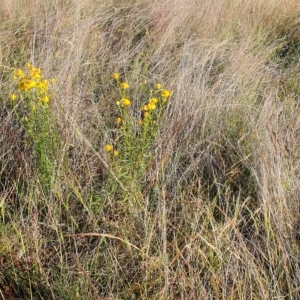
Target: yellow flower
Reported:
[(151, 106), (31, 84), (140, 122), (118, 102), (145, 107), (44, 84), (12, 97), (19, 74), (116, 153), (22, 84), (45, 99), (118, 120), (35, 73), (126, 102), (165, 93), (158, 86), (26, 84), (124, 85), (116, 76), (29, 65), (108, 148), (153, 100)]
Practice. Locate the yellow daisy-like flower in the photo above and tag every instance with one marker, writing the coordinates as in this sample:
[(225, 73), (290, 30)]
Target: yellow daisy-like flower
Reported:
[(124, 85), (118, 120), (153, 100), (165, 93), (126, 102), (35, 73), (116, 76), (12, 97), (152, 106), (31, 84), (19, 74), (108, 148), (27, 84), (45, 99), (116, 153), (158, 86)]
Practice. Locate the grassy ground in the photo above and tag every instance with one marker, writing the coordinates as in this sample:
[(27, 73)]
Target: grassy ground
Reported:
[(201, 199)]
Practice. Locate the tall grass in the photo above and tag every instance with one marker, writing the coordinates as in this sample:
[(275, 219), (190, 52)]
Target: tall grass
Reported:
[(200, 201)]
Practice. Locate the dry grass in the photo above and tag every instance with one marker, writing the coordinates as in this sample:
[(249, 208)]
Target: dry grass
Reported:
[(215, 214)]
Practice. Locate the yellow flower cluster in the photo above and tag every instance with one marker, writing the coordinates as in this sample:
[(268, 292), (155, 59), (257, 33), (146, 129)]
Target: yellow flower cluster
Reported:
[(31, 79), (165, 94), (152, 103), (110, 148), (135, 129), (152, 109), (124, 85)]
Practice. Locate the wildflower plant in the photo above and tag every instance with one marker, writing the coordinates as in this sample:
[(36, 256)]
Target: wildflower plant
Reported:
[(136, 128), (30, 104)]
